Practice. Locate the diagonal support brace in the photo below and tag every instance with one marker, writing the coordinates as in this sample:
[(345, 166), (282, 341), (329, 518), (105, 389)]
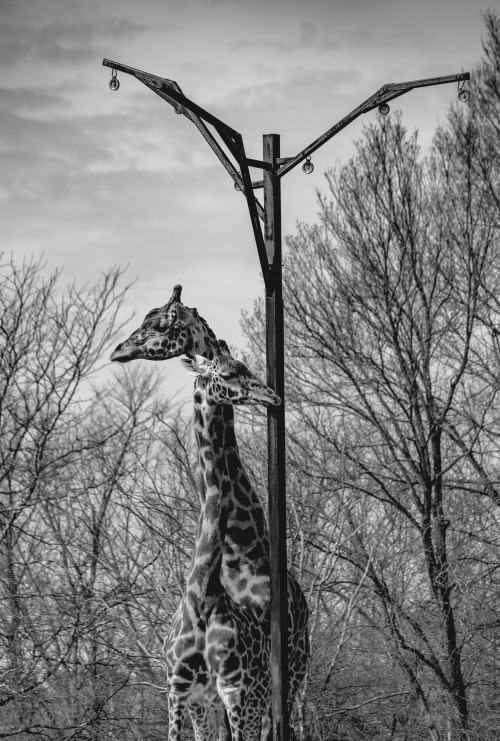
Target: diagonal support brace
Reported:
[(170, 91)]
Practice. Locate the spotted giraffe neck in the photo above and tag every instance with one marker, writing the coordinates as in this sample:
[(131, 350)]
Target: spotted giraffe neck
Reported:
[(245, 573), (203, 584), (202, 340)]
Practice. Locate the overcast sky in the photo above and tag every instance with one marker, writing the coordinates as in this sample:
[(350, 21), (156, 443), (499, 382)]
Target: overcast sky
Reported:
[(91, 178)]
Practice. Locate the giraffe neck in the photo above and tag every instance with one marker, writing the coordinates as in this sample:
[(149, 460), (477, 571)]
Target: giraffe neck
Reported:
[(203, 585), (243, 527), (202, 341)]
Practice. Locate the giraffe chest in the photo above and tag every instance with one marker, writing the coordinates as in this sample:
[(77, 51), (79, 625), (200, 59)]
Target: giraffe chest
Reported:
[(246, 586), (224, 648), (237, 647), (245, 571)]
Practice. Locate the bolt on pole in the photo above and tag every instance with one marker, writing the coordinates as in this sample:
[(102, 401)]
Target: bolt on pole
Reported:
[(269, 249)]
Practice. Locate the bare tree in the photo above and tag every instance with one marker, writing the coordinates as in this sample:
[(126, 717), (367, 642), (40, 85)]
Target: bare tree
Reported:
[(48, 349), (91, 509)]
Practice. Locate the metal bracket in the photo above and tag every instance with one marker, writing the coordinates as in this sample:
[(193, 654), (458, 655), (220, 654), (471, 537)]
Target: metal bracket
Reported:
[(170, 91), (260, 164), (387, 92)]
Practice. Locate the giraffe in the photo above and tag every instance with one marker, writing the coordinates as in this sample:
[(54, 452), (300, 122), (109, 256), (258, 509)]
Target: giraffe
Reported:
[(246, 569), (230, 640), (173, 330), (245, 547)]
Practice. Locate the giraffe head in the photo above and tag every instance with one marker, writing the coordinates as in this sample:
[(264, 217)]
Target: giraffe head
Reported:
[(225, 380), (168, 332)]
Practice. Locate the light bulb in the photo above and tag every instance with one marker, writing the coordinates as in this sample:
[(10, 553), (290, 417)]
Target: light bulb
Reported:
[(113, 83), (308, 166), (383, 109)]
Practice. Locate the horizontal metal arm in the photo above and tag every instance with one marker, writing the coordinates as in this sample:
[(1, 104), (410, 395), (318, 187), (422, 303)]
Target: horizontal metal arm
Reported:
[(176, 94), (387, 92), (137, 72)]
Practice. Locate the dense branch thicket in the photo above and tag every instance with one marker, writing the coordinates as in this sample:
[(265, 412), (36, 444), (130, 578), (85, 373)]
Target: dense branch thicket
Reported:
[(95, 525)]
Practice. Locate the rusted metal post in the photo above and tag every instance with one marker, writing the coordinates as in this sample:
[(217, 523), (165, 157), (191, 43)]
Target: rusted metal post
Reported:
[(275, 362)]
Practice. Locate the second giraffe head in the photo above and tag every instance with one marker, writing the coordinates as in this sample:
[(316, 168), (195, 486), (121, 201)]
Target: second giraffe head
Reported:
[(225, 380)]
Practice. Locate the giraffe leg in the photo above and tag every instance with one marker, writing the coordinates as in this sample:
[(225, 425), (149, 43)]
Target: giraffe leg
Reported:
[(176, 713), (235, 719), (247, 715), (297, 662), (205, 722)]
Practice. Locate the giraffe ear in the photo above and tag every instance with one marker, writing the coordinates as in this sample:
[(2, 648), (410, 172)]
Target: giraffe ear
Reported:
[(186, 315), (190, 365), (196, 366)]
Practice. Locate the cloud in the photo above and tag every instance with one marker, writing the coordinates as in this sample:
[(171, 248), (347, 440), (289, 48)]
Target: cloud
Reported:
[(32, 101), (300, 106), (299, 35), (98, 191), (60, 41)]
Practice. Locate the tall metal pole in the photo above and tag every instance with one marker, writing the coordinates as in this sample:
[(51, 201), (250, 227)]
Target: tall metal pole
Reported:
[(275, 363)]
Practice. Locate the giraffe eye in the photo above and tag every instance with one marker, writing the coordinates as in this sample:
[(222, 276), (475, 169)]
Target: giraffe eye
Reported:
[(227, 375), (159, 323)]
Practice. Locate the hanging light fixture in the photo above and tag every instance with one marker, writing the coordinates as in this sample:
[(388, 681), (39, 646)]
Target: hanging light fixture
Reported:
[(113, 83), (308, 166), (383, 109), (463, 94)]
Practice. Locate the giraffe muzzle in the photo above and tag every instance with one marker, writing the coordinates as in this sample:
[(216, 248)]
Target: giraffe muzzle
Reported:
[(268, 398), (123, 353)]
